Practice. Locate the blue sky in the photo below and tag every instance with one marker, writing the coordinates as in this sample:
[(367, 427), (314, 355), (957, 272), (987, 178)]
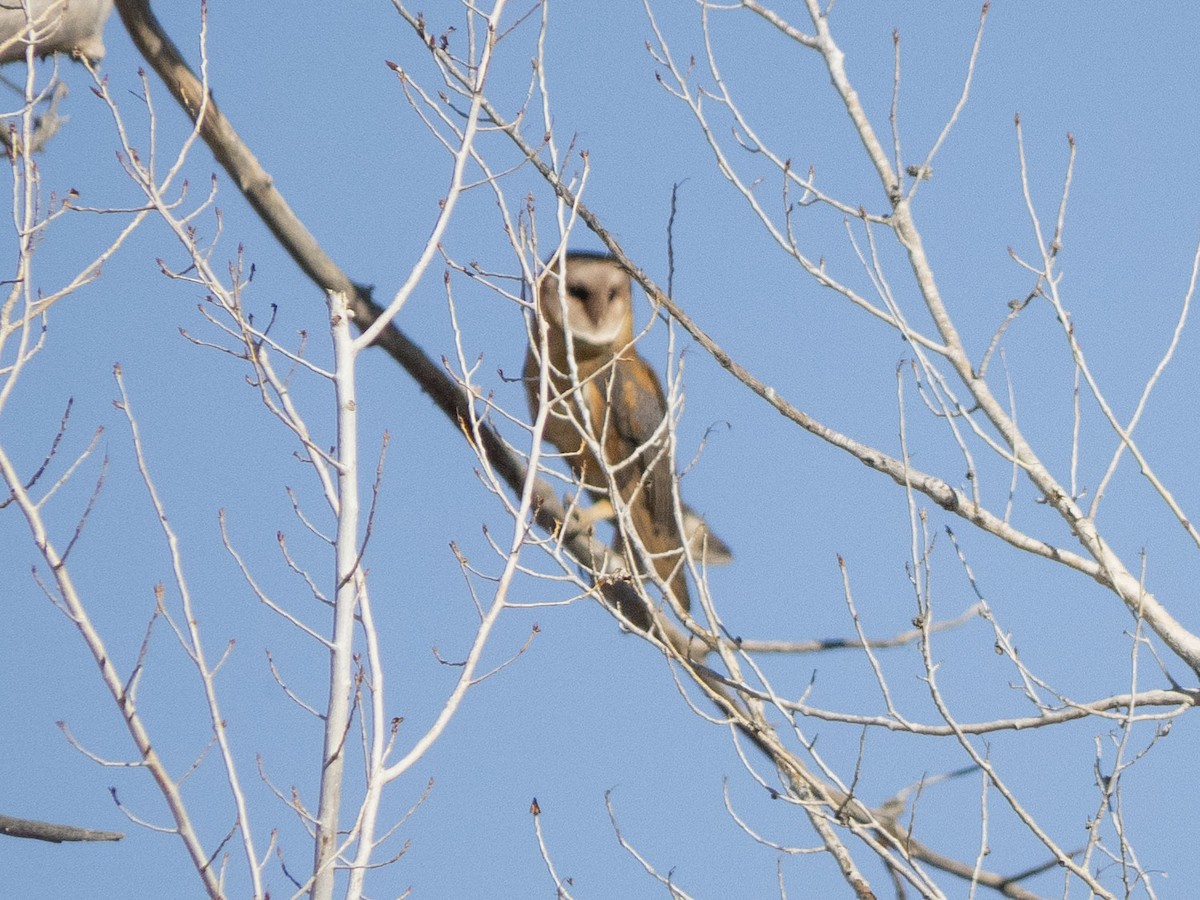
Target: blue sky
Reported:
[(588, 710)]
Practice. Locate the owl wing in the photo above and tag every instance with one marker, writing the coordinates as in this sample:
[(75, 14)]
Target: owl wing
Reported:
[(637, 407), (636, 410)]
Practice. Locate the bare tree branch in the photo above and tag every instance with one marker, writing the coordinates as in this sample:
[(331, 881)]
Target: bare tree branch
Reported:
[(49, 831)]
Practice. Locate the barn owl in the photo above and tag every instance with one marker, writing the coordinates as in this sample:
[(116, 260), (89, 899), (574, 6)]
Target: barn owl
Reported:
[(625, 408)]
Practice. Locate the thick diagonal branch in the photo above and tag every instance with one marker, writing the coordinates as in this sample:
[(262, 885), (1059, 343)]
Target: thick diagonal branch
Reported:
[(52, 832)]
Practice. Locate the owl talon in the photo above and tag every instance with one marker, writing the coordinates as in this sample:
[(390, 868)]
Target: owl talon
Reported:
[(583, 519)]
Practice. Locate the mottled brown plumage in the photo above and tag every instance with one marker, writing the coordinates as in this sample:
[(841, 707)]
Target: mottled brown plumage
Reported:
[(624, 403)]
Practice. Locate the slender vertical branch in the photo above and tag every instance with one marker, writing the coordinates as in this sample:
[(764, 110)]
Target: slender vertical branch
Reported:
[(347, 574)]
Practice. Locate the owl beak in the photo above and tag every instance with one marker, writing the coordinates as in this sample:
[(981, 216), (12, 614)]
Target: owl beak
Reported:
[(596, 307)]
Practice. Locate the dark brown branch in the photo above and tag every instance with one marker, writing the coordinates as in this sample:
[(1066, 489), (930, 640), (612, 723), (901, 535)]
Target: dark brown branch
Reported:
[(49, 831)]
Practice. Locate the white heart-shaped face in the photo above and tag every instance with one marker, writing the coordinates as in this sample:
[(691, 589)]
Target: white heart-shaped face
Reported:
[(598, 299)]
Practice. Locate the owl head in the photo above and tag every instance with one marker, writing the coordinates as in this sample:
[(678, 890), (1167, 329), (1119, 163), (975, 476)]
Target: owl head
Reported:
[(599, 300)]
